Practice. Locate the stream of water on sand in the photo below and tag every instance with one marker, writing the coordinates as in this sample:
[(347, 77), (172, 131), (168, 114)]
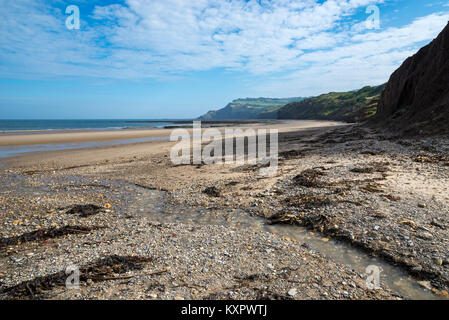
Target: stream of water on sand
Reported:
[(151, 205)]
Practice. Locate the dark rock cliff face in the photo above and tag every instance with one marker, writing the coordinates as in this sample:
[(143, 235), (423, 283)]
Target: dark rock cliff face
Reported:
[(416, 98)]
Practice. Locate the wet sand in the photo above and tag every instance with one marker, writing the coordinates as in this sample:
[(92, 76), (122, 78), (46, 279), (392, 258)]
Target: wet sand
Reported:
[(112, 152), (79, 136)]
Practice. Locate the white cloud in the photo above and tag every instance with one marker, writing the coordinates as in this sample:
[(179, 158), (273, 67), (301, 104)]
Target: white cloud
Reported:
[(364, 59), (259, 37), (315, 43)]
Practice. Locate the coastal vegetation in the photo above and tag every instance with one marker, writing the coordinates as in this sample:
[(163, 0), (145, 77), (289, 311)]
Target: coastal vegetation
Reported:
[(351, 106), (245, 109)]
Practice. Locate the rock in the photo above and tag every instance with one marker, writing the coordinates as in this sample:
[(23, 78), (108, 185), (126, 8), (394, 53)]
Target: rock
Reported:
[(443, 293), (410, 223), (426, 236), (417, 268), (292, 292), (212, 192), (416, 97), (379, 215), (438, 261), (424, 228), (425, 285), (85, 210), (422, 205)]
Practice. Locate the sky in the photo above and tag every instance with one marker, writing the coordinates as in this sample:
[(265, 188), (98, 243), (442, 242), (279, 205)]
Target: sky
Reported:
[(178, 59)]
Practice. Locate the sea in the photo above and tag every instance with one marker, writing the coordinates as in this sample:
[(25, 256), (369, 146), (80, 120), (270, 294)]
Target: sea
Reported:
[(117, 124), (19, 127)]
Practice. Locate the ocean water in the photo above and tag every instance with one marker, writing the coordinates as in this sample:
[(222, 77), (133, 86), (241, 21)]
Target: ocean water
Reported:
[(42, 125)]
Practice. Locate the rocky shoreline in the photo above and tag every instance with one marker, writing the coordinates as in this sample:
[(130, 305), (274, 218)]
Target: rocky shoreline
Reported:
[(387, 197)]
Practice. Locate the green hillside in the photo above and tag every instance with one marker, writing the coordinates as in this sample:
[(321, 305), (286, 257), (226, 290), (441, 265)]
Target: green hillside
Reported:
[(352, 106), (248, 109)]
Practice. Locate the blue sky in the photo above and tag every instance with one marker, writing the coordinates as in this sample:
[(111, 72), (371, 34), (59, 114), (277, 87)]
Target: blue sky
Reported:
[(178, 59)]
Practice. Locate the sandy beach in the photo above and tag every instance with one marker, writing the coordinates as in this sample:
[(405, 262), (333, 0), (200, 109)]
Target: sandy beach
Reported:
[(22, 138), (71, 137), (343, 198), (113, 150)]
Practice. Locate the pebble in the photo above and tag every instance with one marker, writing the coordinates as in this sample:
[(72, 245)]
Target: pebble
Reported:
[(292, 292), (417, 268), (424, 228), (438, 261), (425, 284), (426, 236)]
